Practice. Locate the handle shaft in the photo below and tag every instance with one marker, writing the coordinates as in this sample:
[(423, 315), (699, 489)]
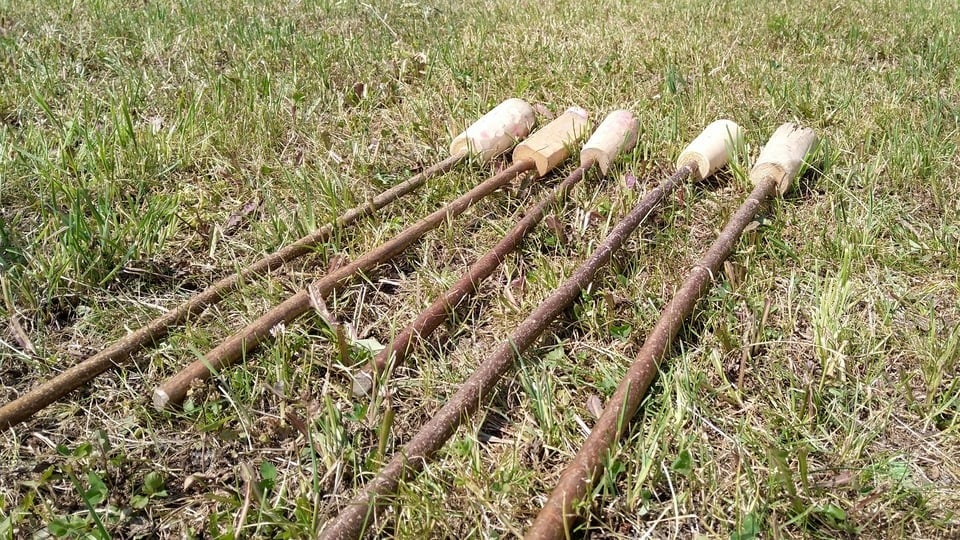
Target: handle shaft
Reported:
[(361, 512), (782, 155), (618, 133), (236, 347)]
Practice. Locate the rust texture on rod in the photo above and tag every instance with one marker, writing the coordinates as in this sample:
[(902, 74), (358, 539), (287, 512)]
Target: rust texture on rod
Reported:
[(121, 350), (360, 513), (559, 513), (174, 389), (432, 317)]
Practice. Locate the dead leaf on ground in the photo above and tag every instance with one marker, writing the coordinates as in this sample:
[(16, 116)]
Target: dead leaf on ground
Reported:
[(297, 422), (236, 219), (593, 218), (595, 406), (357, 93), (557, 228), (20, 335), (543, 111), (845, 478), (413, 68), (518, 284)]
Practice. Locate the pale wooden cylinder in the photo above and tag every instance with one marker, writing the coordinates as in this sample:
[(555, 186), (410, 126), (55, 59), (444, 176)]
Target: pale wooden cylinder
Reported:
[(783, 155), (617, 133), (711, 149), (495, 132), (551, 144)]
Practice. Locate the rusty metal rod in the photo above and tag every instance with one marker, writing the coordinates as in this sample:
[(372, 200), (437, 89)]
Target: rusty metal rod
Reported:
[(777, 165), (489, 136), (616, 134), (546, 147)]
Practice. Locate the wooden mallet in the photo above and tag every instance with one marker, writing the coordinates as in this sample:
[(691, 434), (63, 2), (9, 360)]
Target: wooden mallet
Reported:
[(491, 135), (541, 152), (702, 158), (616, 134), (778, 164)]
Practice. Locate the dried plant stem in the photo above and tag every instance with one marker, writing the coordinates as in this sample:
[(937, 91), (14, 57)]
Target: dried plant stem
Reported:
[(121, 350), (236, 346), (433, 316), (558, 515), (360, 512)]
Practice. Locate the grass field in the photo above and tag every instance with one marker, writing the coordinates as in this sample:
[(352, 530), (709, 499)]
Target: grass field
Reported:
[(149, 148)]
